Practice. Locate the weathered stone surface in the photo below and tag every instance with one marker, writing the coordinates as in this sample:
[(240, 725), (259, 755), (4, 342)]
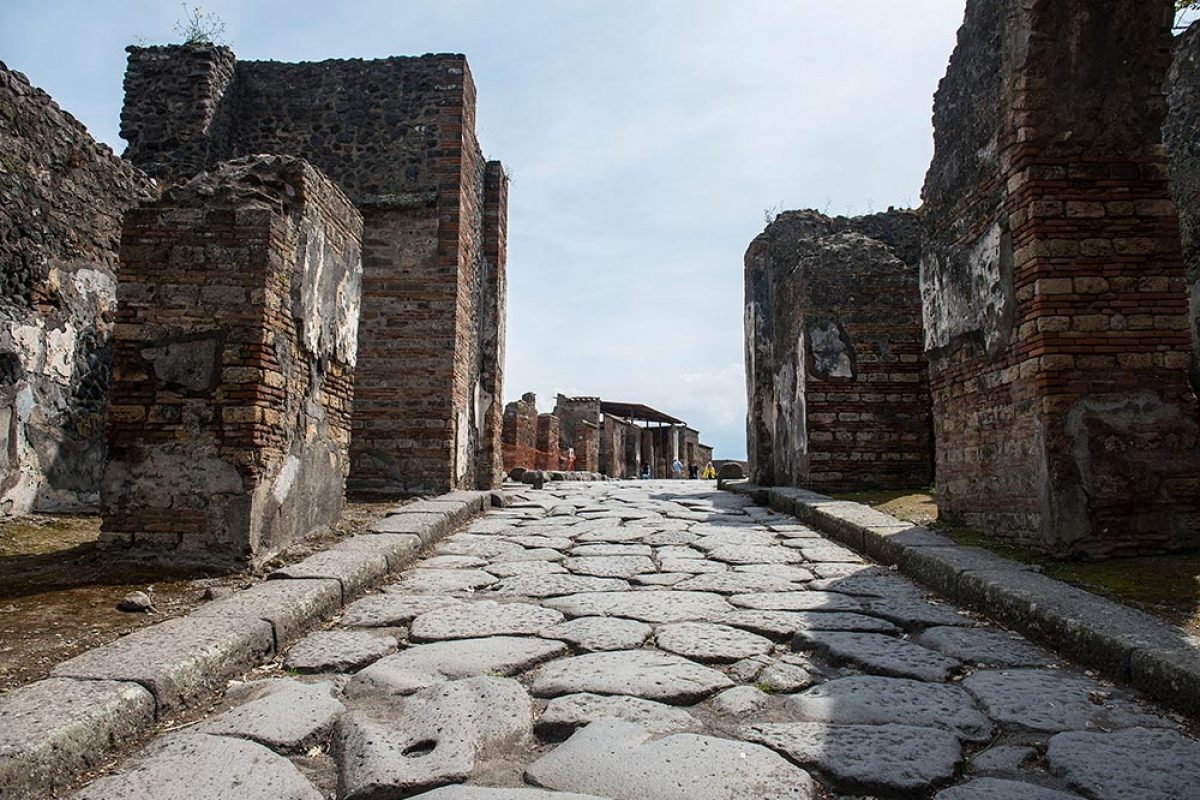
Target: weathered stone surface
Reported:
[(912, 614), (600, 633), (203, 767), (338, 651), (480, 546), (1054, 700), (614, 759), (285, 715), (997, 789), (398, 549), (444, 581), (894, 759), (556, 585), (796, 601), (985, 646), (709, 642), (482, 618), (879, 654), (464, 792), (610, 566), (870, 584), (56, 728), (784, 624), (740, 701), (453, 562), (290, 606), (640, 673), (784, 677), (440, 737), (786, 571), (508, 569), (1003, 758), (750, 554), (539, 554), (602, 549), (428, 664), (691, 566), (180, 660), (392, 609), (874, 700), (666, 606), (563, 715), (737, 583), (711, 539), (1134, 764), (659, 579)]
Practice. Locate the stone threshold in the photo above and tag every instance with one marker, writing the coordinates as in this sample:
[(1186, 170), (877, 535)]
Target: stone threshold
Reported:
[(1125, 644), (55, 729)]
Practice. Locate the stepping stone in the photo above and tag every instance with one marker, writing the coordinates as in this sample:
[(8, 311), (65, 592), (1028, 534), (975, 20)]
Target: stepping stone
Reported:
[(595, 550), (879, 654), (748, 554), (870, 584), (482, 618), (786, 571), (912, 614), (600, 633), (464, 792), (736, 538), (1136, 764), (453, 562), (740, 701), (555, 585), (798, 600), (428, 664), (508, 569), (784, 624), (996, 789), (875, 700), (443, 581), (338, 651), (285, 715), (692, 566), (641, 673), (203, 767), (564, 715), (710, 643), (611, 758), (651, 606), (440, 737), (985, 646), (391, 610), (737, 583), (610, 566), (887, 759), (1053, 700)]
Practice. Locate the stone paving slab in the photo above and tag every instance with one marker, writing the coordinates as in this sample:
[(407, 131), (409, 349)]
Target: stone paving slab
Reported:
[(356, 570), (290, 606), (285, 715)]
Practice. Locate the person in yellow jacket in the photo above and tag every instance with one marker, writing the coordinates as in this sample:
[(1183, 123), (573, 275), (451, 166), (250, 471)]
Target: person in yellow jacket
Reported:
[(709, 473)]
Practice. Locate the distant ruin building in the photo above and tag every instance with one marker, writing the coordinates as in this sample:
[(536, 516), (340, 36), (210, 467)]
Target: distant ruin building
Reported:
[(398, 136), (236, 340), (61, 200), (1055, 299), (838, 387)]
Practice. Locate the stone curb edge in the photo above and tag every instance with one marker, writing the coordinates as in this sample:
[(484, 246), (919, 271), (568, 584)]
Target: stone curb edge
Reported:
[(54, 729), (1127, 645)]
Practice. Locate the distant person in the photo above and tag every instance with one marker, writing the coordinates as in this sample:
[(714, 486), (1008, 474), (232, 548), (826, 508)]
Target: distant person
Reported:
[(645, 472), (677, 468), (710, 472), (693, 472), (570, 459)]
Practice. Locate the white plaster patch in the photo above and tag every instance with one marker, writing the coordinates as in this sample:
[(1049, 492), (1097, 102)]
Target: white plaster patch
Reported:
[(462, 442), (286, 478)]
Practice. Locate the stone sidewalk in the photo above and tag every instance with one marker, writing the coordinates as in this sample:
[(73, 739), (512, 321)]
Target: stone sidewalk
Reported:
[(643, 640)]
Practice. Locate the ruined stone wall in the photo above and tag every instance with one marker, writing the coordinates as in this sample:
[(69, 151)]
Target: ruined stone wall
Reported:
[(236, 341), (573, 410), (837, 381), (704, 454), (547, 442), (520, 433), (61, 200), (397, 135), (1181, 134), (620, 443), (587, 446), (1053, 284)]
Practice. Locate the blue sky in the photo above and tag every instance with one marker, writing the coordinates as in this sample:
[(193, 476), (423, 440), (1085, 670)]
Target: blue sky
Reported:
[(646, 142)]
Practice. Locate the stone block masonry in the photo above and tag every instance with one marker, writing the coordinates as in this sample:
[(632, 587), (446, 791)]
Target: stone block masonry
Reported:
[(1181, 134), (236, 343), (838, 387), (1055, 301), (61, 200), (520, 433), (547, 442), (398, 136)]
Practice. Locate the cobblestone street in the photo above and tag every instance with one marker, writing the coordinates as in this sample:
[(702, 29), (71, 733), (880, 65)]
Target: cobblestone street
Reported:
[(663, 640)]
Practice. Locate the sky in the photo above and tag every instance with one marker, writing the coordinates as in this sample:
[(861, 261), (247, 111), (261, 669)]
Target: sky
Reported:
[(648, 141)]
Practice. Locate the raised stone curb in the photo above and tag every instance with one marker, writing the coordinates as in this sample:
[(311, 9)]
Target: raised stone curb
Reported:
[(1126, 644), (55, 728)]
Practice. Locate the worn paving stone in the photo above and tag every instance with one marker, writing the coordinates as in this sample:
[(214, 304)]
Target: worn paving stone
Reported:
[(286, 715), (482, 618), (600, 633), (291, 607), (691, 566), (453, 562), (55, 728), (659, 579), (785, 624), (556, 585), (750, 554), (651, 606), (876, 700), (1003, 758), (428, 664), (800, 600), (338, 651), (444, 581), (507, 569), (985, 646), (612, 534), (784, 677), (354, 570), (708, 642), (564, 715), (391, 610), (788, 572), (737, 583), (478, 545), (610, 566), (1054, 700), (826, 552), (670, 537), (879, 654), (891, 759), (740, 701), (870, 584), (543, 542), (203, 767), (603, 549), (998, 789), (617, 759), (1135, 764), (465, 792), (679, 551), (440, 737), (540, 554), (912, 614), (641, 673), (738, 537)]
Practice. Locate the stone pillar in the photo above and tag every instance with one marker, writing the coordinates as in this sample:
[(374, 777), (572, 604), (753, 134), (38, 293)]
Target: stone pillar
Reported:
[(1054, 296), (587, 447), (547, 442), (235, 349), (520, 433), (1181, 134), (492, 323)]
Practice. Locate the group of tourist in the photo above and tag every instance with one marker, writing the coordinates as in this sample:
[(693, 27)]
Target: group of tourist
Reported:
[(694, 472)]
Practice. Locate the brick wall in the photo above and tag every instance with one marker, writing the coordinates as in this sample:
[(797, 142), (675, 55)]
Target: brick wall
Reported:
[(235, 347), (587, 446), (1053, 284), (520, 433), (838, 386), (573, 410), (547, 442)]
